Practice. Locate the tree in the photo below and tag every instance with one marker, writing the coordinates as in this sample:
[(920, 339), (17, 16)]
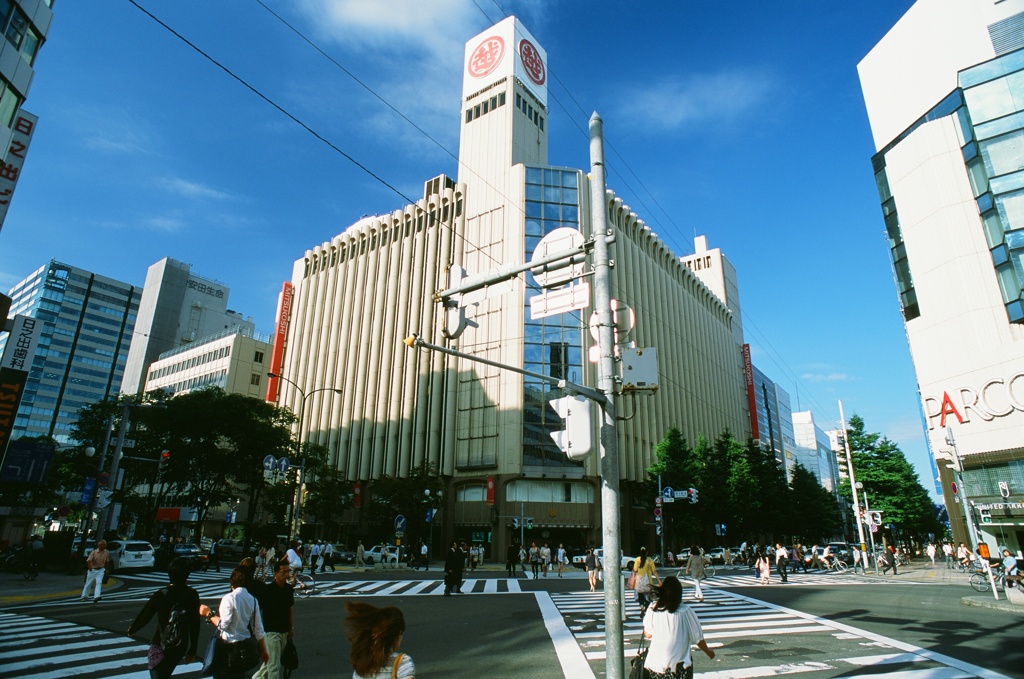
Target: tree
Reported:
[(891, 482), (814, 512), (675, 463), (393, 495)]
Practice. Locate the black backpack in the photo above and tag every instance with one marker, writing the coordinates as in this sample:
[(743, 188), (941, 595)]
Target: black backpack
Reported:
[(175, 633)]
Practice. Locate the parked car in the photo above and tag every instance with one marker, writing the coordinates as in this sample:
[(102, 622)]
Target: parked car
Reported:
[(374, 555), (235, 549), (131, 554), (193, 553), (715, 554), (626, 563), (342, 554)]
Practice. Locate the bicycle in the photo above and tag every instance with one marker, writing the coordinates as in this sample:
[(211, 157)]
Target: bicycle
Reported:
[(30, 569), (979, 581), (836, 564), (975, 566), (902, 560), (304, 584), (709, 570)]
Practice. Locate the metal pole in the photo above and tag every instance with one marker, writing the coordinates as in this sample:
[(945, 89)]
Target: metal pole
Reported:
[(661, 523), (104, 523), (610, 528), (867, 512), (853, 484), (522, 526), (958, 469)]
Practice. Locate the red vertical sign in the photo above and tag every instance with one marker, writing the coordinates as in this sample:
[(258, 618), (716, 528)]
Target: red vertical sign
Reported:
[(490, 490), (748, 372), (284, 311), (357, 495)]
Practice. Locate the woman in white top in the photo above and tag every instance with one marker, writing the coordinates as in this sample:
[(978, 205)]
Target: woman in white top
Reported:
[(672, 627), (238, 620), (376, 634)]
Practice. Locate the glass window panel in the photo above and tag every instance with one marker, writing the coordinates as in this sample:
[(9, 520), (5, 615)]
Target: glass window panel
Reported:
[(8, 107), (985, 202), (993, 227), (990, 100), (551, 177), (569, 179), (533, 353), (1007, 183), (1008, 283), (963, 127), (1017, 260), (533, 228), (552, 194), (970, 151), (533, 209), (1015, 311), (30, 46), (16, 28), (1011, 210), (570, 196), (534, 175), (1000, 126), (551, 211), (1004, 154), (531, 243), (1000, 255), (534, 192), (1015, 240), (882, 182), (571, 213), (903, 274), (979, 180)]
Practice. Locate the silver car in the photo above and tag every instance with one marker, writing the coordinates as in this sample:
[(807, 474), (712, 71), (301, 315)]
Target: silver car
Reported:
[(131, 554)]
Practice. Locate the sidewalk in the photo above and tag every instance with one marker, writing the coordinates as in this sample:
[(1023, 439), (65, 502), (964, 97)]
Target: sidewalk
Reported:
[(923, 572), (15, 589)]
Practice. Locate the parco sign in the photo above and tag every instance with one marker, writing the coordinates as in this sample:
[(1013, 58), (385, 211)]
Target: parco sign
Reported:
[(998, 397)]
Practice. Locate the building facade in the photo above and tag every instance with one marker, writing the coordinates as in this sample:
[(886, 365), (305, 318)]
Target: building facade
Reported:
[(178, 308), (813, 449), (945, 99), (88, 321), (233, 361), (485, 430)]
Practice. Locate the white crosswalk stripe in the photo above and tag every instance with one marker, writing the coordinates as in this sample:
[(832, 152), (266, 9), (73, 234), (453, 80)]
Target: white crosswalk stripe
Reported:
[(728, 617), (38, 648), (414, 587)]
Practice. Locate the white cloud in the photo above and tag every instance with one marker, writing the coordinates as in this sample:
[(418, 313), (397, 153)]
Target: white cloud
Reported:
[(189, 189), (825, 377), (698, 99)]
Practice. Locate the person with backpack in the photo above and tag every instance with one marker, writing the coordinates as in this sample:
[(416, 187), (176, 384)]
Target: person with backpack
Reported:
[(176, 608)]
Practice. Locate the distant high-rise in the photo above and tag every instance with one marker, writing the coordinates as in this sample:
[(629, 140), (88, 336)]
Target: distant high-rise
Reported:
[(945, 97), (88, 322), (178, 307)]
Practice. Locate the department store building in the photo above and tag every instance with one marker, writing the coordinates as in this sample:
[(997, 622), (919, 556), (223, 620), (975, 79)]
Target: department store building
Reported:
[(945, 97), (351, 301)]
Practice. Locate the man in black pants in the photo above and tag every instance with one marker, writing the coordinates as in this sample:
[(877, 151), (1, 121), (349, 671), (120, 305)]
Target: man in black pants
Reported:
[(781, 561), (453, 563), (511, 557), (277, 601)]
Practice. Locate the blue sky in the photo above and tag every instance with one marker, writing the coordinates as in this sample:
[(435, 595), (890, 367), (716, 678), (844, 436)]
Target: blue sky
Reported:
[(742, 121)]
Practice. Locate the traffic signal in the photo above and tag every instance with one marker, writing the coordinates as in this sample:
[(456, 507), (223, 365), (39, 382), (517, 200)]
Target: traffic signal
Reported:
[(165, 459), (529, 524), (515, 523), (876, 518), (577, 439), (693, 496), (986, 515)]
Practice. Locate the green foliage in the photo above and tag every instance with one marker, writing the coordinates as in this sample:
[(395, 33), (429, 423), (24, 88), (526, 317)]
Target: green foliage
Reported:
[(814, 511), (393, 495), (890, 481)]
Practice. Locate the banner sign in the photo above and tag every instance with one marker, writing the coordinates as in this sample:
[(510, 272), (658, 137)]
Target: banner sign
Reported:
[(10, 167)]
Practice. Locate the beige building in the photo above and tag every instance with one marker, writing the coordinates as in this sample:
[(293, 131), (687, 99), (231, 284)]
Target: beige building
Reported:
[(352, 300), (234, 361)]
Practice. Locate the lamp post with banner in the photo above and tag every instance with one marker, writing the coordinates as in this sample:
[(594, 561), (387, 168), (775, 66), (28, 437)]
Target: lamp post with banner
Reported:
[(295, 511)]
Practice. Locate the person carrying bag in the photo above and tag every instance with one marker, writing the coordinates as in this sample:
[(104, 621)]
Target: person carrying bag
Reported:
[(239, 646), (176, 608), (672, 628)]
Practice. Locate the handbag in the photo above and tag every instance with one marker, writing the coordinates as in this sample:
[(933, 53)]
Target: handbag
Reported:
[(643, 584), (636, 669), (289, 658), (154, 656), (631, 582), (394, 668), (243, 655), (209, 657)]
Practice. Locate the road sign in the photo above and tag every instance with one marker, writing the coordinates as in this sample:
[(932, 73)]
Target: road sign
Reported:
[(399, 524), (283, 465), (667, 491), (430, 515), (657, 500), (269, 462), (682, 494), (87, 490), (104, 480), (657, 511)]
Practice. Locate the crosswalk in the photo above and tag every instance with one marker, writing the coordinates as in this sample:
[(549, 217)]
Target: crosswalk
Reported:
[(735, 625), (40, 648)]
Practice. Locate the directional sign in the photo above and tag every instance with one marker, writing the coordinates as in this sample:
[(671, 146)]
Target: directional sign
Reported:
[(399, 524), (682, 493), (87, 490), (667, 491), (269, 462), (282, 465), (430, 515)]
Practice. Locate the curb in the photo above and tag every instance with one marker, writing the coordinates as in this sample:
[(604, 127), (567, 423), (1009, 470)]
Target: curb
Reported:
[(13, 599), (990, 603)]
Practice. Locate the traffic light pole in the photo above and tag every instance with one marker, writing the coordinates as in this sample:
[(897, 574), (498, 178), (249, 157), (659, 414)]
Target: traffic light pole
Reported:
[(853, 486)]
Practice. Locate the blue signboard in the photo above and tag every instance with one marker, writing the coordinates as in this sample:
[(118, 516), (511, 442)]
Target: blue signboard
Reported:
[(400, 523), (87, 490)]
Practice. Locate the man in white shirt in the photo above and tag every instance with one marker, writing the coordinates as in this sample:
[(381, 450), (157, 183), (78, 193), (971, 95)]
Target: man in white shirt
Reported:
[(328, 557), (314, 556), (545, 557), (781, 561), (424, 558)]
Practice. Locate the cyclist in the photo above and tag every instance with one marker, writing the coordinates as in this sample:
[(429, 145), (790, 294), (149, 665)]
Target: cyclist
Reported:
[(964, 556), (826, 557), (294, 559), (1010, 567)]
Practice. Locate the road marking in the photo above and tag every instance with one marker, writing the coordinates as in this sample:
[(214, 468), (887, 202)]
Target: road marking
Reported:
[(570, 656)]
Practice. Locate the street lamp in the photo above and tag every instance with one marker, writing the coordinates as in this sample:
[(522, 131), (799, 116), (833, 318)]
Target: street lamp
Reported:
[(437, 495), (89, 452), (296, 508)]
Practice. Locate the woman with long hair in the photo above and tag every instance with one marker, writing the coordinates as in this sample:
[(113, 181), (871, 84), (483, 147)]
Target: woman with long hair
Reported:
[(376, 634), (646, 575), (672, 627)]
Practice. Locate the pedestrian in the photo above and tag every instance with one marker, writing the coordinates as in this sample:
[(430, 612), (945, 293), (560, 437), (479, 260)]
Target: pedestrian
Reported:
[(474, 557), (239, 624), (801, 559), (307, 549), (360, 553), (424, 556), (591, 564), (511, 557), (277, 602), (97, 565), (963, 555), (453, 564), (293, 557), (887, 560), (727, 558), (947, 553), (261, 563), (762, 566), (1010, 568), (328, 556), (214, 556), (856, 559), (271, 558), (695, 568), (781, 561), (563, 559), (673, 629), (930, 550), (545, 558), (385, 556), (376, 635), (176, 608), (314, 556), (645, 575), (535, 559), (815, 561)]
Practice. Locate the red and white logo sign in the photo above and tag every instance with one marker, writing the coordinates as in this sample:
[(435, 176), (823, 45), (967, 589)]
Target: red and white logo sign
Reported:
[(486, 56), (532, 62)]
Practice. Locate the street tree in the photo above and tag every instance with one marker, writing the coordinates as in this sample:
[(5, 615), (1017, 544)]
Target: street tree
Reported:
[(815, 515)]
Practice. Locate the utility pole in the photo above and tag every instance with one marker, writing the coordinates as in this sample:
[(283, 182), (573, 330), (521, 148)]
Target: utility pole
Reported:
[(853, 486), (610, 527)]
